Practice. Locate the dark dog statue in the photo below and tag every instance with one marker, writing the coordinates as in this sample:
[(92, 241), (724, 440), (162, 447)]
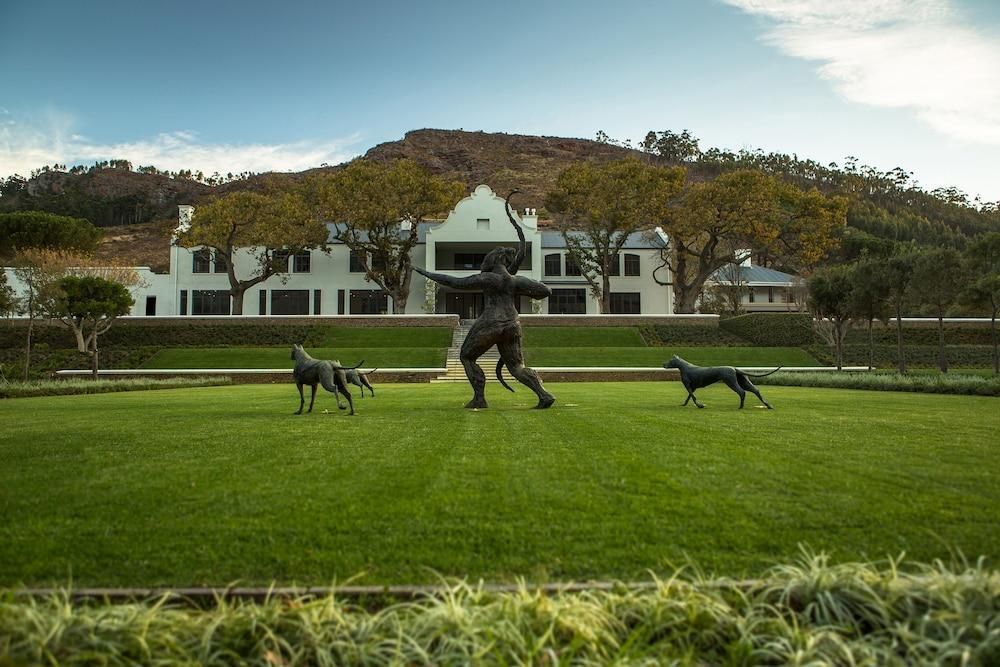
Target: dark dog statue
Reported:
[(360, 379), (313, 372), (696, 377)]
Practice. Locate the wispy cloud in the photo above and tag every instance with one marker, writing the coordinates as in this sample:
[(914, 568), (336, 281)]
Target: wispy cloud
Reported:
[(49, 138), (921, 55)]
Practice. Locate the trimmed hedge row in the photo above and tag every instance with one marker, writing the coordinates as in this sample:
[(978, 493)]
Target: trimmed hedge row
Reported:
[(937, 383), (772, 329), (922, 335), (71, 387), (660, 335), (917, 356), (45, 361)]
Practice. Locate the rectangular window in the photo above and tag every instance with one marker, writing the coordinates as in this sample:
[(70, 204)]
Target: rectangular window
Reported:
[(572, 268), (553, 264), (280, 260), (317, 302), (751, 291), (289, 302), (150, 306), (262, 302), (183, 310), (209, 302), (789, 295), (369, 302), (220, 261), (626, 303), (341, 305), (303, 262), (483, 224), (615, 268), (770, 295), (631, 265), (470, 261), (568, 302), (202, 261), (356, 263)]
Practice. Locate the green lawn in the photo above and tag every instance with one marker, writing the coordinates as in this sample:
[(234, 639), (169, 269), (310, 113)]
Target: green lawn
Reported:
[(655, 356), (225, 484), (280, 357)]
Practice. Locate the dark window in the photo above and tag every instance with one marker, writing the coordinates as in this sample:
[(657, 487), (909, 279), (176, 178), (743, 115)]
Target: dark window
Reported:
[(303, 261), (262, 303), (631, 265), (183, 310), (789, 295), (625, 303), (280, 259), (341, 306), (770, 295), (150, 306), (209, 302), (356, 263), (202, 261), (572, 268), (369, 302), (289, 302), (469, 260), (751, 294), (317, 302), (221, 263), (553, 264), (568, 302), (615, 268)]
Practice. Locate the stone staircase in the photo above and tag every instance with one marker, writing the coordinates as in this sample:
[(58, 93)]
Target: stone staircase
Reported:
[(455, 372)]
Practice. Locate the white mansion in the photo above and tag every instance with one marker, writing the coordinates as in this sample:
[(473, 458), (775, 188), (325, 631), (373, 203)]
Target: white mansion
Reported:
[(332, 282)]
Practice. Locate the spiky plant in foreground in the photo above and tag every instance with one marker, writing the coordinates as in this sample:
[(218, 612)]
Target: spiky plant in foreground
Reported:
[(808, 613)]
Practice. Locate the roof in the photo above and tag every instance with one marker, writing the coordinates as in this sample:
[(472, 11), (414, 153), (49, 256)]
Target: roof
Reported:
[(754, 275)]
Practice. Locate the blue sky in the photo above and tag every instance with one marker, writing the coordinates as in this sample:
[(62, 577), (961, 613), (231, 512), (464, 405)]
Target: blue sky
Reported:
[(230, 86)]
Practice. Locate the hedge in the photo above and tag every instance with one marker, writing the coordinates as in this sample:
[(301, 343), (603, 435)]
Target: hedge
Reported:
[(917, 356), (659, 335), (937, 383), (79, 386), (772, 329), (924, 335)]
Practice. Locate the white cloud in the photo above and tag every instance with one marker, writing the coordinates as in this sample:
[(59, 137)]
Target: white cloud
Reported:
[(49, 139), (911, 54)]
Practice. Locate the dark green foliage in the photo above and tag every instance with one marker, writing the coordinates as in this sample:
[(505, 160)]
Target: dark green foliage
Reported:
[(923, 335), (132, 334), (659, 335), (45, 360), (75, 386), (917, 356), (938, 383), (37, 229), (772, 329), (91, 297)]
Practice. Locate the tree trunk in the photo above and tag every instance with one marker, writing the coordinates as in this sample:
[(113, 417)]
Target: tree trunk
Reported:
[(942, 359), (685, 299), (399, 300), (839, 346), (95, 364), (605, 293), (899, 339), (871, 345), (27, 349), (238, 301)]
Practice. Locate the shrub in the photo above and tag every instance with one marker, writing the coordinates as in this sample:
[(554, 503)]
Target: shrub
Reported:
[(810, 612), (937, 383), (676, 334), (70, 387), (38, 229), (772, 329)]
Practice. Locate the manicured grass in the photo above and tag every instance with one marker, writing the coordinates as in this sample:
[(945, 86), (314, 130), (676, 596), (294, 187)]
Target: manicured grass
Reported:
[(280, 357), (582, 337), (656, 356), (225, 484)]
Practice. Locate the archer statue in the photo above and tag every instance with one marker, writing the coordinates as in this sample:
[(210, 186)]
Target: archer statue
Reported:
[(498, 324)]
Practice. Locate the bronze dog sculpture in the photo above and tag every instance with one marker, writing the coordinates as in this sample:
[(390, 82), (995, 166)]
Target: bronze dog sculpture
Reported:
[(499, 324), (360, 379), (695, 377), (313, 372)]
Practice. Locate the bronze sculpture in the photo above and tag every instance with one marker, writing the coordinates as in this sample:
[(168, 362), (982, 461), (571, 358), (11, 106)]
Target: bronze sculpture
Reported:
[(498, 324), (695, 377), (313, 372)]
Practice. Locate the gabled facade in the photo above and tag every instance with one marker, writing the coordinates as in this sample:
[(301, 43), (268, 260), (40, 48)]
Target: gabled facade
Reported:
[(332, 282)]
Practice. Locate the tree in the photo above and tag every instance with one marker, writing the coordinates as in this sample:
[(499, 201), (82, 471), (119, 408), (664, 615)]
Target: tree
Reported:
[(89, 305), (38, 229), (39, 270), (870, 297), (671, 146), (724, 295), (899, 280), (710, 221), (938, 277), (831, 303), (255, 224), (9, 303), (597, 207), (982, 261), (378, 209)]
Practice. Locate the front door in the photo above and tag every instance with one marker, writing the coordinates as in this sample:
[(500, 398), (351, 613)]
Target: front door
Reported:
[(467, 305)]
